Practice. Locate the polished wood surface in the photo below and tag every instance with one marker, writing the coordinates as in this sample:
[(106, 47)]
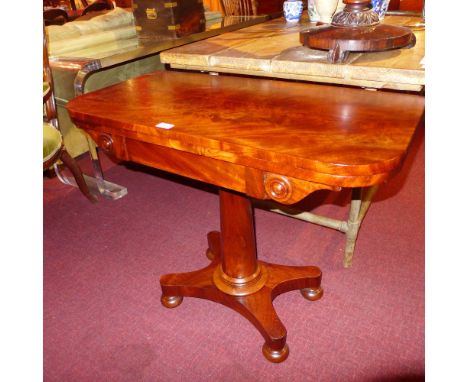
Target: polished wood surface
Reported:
[(55, 16), (155, 19), (406, 5), (333, 136), (356, 29), (236, 279), (123, 3), (266, 139), (340, 41), (273, 49), (83, 4), (99, 5)]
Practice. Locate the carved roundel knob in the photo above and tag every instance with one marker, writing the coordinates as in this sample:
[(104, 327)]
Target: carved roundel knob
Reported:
[(105, 142), (277, 187)]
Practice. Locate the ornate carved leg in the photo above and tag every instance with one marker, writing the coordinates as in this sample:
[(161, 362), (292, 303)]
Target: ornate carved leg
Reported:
[(237, 280)]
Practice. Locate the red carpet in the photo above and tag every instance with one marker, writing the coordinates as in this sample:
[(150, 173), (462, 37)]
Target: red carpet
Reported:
[(103, 320)]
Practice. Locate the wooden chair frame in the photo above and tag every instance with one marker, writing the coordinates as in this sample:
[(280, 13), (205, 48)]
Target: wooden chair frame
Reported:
[(99, 5), (50, 15), (239, 7)]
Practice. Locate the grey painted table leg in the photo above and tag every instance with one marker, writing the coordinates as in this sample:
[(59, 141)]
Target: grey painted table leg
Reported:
[(360, 202)]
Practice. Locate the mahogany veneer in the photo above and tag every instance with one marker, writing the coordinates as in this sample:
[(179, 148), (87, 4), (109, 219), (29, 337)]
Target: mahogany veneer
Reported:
[(266, 139), (356, 28)]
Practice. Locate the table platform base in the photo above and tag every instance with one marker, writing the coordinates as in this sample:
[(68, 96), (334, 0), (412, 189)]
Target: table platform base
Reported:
[(253, 299)]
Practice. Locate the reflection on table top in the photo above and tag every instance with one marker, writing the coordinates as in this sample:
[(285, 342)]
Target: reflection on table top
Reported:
[(134, 48), (331, 136), (273, 49)]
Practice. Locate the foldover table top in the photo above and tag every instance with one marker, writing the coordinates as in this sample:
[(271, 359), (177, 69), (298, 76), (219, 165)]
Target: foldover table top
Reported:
[(335, 136), (273, 49)]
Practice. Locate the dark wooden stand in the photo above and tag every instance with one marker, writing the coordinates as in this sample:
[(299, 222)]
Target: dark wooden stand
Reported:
[(356, 29), (236, 279)]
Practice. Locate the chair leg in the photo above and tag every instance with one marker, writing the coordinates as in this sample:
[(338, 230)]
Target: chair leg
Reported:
[(78, 175), (95, 161), (97, 184)]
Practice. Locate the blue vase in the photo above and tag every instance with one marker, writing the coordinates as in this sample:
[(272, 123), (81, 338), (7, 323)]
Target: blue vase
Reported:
[(292, 10), (380, 6)]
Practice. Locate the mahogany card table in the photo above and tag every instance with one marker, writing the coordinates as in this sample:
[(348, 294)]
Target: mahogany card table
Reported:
[(253, 138)]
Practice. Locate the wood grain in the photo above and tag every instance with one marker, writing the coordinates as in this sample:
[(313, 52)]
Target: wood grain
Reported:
[(329, 135)]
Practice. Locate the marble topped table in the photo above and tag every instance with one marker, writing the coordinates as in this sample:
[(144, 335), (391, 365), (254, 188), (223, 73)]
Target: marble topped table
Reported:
[(273, 49)]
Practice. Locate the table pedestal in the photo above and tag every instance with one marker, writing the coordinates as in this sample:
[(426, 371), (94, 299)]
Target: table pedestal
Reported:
[(236, 279)]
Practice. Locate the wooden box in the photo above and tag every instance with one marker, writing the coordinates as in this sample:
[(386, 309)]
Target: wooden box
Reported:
[(167, 19)]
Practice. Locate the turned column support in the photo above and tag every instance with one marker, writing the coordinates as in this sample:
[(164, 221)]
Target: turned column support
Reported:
[(238, 280), (239, 273)]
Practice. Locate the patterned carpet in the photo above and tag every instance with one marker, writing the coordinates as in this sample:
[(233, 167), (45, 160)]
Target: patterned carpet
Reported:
[(103, 320)]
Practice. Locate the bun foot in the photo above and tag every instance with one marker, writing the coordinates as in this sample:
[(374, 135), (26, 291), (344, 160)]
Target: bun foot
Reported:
[(312, 294), (171, 301), (275, 356)]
